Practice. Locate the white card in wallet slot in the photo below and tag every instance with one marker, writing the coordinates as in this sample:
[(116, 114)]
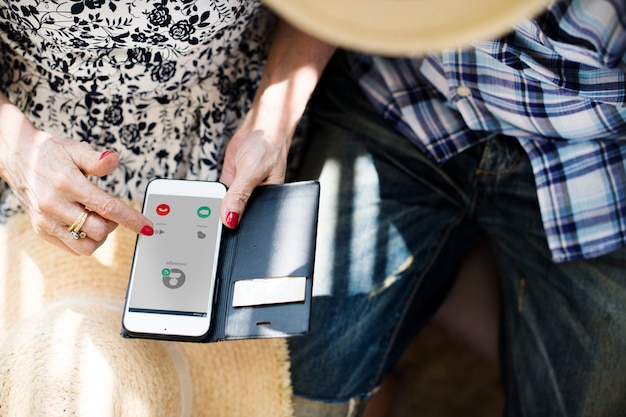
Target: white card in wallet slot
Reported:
[(265, 291)]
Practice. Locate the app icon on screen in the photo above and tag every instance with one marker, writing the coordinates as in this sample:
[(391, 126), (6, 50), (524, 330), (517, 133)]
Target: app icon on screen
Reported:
[(173, 278), (204, 212), (163, 210)]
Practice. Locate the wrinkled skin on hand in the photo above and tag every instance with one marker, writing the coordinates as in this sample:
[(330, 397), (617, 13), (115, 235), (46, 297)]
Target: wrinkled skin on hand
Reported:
[(49, 174), (251, 159)]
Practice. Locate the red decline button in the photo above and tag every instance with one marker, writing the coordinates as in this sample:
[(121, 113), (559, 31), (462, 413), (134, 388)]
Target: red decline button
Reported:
[(163, 210)]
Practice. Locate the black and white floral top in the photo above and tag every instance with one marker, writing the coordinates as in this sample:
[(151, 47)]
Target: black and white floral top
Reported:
[(163, 83)]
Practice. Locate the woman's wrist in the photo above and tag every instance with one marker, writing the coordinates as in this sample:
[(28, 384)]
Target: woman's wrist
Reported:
[(293, 68), (16, 132)]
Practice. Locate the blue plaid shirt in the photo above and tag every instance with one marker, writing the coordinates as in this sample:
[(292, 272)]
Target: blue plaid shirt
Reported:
[(557, 84)]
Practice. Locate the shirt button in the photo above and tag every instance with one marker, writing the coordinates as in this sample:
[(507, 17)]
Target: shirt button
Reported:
[(463, 91)]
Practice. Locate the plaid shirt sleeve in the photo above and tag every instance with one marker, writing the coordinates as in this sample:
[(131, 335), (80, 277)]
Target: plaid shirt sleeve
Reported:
[(557, 84)]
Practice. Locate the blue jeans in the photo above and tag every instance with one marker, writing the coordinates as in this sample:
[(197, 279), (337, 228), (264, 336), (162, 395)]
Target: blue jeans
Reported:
[(394, 229)]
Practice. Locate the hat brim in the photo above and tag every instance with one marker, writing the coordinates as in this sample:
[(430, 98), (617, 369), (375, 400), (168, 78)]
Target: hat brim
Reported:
[(404, 27)]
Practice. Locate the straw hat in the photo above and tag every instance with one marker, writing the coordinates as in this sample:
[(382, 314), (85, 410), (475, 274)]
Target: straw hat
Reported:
[(61, 353), (404, 27)]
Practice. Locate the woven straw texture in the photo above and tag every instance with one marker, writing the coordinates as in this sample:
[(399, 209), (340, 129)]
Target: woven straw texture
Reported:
[(61, 353)]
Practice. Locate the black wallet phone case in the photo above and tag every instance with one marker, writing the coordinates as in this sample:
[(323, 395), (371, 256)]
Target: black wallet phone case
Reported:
[(265, 271)]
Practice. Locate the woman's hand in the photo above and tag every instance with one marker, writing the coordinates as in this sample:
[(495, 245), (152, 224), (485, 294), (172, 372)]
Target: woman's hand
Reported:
[(49, 177), (257, 153), (252, 158)]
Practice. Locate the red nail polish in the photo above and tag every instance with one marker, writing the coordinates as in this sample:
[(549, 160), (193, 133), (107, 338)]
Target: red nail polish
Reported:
[(105, 153), (232, 219), (147, 231)]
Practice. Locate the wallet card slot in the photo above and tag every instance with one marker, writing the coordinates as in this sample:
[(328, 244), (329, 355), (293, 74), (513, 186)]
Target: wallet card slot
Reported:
[(268, 291)]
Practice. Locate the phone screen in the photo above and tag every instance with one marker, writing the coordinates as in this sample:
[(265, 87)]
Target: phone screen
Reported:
[(174, 272)]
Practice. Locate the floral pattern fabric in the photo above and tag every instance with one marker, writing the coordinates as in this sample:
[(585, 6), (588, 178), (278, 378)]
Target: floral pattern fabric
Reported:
[(163, 83)]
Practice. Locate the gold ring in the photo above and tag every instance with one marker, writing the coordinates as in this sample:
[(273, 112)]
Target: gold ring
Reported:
[(74, 229), (79, 222)]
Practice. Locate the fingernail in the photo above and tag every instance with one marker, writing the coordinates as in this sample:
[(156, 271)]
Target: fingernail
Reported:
[(105, 153), (232, 219), (147, 231)]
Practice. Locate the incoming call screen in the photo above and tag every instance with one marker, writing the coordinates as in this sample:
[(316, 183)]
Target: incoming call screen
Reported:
[(174, 268)]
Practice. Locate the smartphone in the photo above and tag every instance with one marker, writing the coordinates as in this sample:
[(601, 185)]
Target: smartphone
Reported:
[(173, 276)]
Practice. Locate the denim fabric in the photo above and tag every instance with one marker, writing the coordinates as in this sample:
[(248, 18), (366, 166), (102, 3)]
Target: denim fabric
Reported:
[(394, 229)]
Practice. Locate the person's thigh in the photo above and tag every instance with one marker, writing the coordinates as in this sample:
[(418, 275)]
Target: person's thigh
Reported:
[(564, 327), (390, 240)]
